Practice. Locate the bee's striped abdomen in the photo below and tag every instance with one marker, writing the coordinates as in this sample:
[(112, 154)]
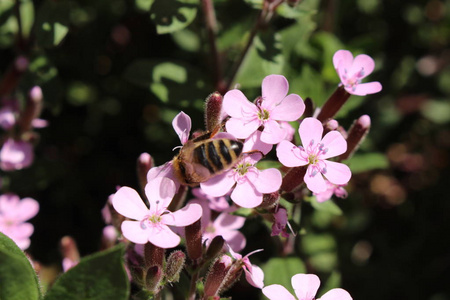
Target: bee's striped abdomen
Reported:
[(218, 155)]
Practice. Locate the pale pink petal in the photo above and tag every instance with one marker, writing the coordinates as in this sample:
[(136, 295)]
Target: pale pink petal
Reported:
[(163, 237), (255, 277), (8, 203), (182, 126), (362, 62), (324, 196), (343, 58), (289, 155), (274, 89), (241, 128), (289, 131), (21, 231), (290, 109), (229, 222), (133, 231), (337, 173), (363, 89), (305, 286), (336, 294), (39, 123), (253, 142), (235, 103), (128, 203), (277, 292), (218, 185), (206, 211), (26, 209), (183, 217), (160, 192), (235, 239), (335, 144), (223, 135), (268, 181), (310, 130), (16, 155), (22, 243), (245, 195), (272, 133), (315, 183)]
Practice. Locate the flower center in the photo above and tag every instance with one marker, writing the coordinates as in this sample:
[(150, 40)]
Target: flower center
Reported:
[(243, 168), (210, 229), (354, 79), (152, 220), (263, 114)]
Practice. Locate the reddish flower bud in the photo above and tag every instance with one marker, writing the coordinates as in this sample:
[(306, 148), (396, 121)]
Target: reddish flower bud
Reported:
[(153, 255), (215, 248), (217, 275), (175, 264), (213, 111), (333, 104), (356, 135), (144, 164), (293, 178), (153, 277), (270, 200)]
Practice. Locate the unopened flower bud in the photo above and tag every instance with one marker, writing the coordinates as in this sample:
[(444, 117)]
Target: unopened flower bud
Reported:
[(109, 236), (144, 164), (356, 135), (21, 63), (233, 275), (153, 278), (215, 247), (333, 104), (213, 111), (217, 275), (194, 240), (70, 253), (270, 200), (175, 264), (32, 110)]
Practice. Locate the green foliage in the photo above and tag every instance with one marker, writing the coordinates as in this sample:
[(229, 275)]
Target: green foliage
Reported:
[(18, 279), (52, 22), (98, 276), (280, 271), (367, 161), (327, 206)]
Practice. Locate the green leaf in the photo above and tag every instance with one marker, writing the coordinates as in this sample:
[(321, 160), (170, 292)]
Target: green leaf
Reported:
[(97, 277), (52, 22), (315, 243), (27, 16), (437, 111), (368, 161), (280, 271), (168, 80), (18, 280), (265, 57), (267, 164), (327, 206), (143, 5), (172, 15), (255, 3)]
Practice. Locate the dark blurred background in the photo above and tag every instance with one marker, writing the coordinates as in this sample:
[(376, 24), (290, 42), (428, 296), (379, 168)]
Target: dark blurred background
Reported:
[(113, 84)]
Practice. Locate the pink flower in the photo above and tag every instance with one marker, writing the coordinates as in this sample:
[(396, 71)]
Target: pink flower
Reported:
[(13, 214), (152, 223), (280, 222), (253, 274), (7, 117), (274, 105), (215, 203), (314, 153), (15, 155), (352, 71), (332, 189), (305, 287), (224, 224), (250, 183)]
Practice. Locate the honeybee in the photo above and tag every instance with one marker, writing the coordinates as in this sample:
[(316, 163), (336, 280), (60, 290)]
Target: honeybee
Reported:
[(202, 158)]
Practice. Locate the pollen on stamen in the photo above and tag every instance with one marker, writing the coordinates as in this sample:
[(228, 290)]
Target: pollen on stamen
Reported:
[(324, 170), (142, 224)]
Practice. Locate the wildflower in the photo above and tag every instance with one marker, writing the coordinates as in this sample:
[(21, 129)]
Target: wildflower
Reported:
[(152, 223), (280, 220), (253, 274), (305, 287), (274, 105), (13, 214), (332, 189), (250, 183), (352, 71), (224, 224), (16, 155), (314, 154)]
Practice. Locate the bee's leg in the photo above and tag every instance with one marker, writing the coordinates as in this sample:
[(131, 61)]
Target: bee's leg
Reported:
[(219, 127), (253, 152)]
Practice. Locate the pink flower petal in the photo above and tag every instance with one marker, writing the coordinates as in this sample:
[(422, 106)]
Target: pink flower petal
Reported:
[(277, 292), (310, 129), (305, 285), (128, 203), (289, 155), (335, 144), (229, 222), (132, 231), (163, 237), (241, 128), (218, 185), (364, 62), (21, 231), (182, 126), (160, 192), (272, 133), (253, 142), (255, 277), (22, 243), (336, 294), (235, 102), (8, 203), (342, 58), (315, 183), (363, 89), (183, 217), (337, 173), (27, 209), (274, 89), (206, 211), (290, 109), (235, 239), (245, 195), (268, 181)]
